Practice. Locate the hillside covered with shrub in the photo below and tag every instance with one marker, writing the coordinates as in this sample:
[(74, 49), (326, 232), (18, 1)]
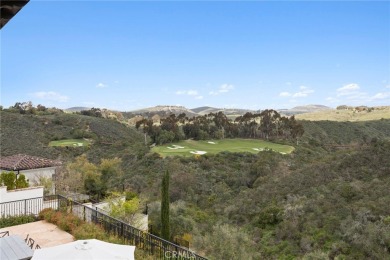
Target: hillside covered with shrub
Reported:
[(31, 134), (318, 202)]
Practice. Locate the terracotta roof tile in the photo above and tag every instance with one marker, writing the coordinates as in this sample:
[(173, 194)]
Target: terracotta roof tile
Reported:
[(25, 162)]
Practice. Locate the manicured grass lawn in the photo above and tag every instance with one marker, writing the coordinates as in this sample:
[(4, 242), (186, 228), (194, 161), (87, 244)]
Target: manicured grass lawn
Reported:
[(70, 142), (184, 148)]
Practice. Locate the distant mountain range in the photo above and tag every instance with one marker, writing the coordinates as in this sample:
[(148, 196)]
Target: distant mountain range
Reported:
[(308, 112), (303, 109), (227, 111), (76, 109), (167, 110), (162, 110)]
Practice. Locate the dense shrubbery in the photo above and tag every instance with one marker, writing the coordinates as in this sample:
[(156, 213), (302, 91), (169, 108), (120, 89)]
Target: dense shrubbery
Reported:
[(83, 230), (268, 124), (17, 220), (9, 179), (31, 134), (78, 228), (318, 202), (312, 203)]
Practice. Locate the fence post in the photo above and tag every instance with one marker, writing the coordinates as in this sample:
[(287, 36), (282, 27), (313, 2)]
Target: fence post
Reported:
[(122, 231), (84, 213), (25, 207)]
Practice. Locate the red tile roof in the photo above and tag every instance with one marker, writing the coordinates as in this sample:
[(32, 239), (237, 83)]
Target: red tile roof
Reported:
[(25, 162)]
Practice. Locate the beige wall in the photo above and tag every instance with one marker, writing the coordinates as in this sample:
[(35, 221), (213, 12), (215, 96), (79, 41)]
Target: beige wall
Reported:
[(34, 174)]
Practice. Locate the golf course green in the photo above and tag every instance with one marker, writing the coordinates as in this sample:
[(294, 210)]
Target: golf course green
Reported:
[(70, 142), (192, 147)]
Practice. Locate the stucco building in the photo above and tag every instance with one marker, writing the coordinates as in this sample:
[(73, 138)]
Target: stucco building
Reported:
[(32, 167)]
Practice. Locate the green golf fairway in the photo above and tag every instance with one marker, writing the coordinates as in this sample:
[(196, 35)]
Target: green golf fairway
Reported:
[(192, 147), (70, 142)]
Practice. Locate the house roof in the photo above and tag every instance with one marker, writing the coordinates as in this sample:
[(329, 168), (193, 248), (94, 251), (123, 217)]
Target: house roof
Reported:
[(9, 8), (25, 162)]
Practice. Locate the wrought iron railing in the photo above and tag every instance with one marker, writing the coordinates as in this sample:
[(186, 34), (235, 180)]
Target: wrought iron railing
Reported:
[(131, 235), (29, 206)]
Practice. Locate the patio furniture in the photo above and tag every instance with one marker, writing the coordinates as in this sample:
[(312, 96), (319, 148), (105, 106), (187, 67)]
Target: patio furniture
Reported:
[(86, 249), (13, 247), (31, 242), (4, 233)]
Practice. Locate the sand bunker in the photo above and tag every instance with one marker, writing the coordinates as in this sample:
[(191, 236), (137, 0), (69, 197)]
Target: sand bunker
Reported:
[(175, 147), (211, 142), (198, 152), (258, 149)]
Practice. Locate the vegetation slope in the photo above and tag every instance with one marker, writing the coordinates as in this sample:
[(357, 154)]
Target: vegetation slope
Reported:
[(327, 199), (350, 114)]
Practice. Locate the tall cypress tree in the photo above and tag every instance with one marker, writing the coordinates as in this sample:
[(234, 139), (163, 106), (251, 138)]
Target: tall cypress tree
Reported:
[(165, 230)]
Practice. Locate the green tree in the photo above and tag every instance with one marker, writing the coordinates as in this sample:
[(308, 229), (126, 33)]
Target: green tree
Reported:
[(224, 241), (124, 209), (95, 187), (111, 173), (47, 183), (165, 229), (21, 182), (9, 179)]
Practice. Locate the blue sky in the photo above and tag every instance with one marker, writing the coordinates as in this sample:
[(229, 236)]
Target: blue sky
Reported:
[(126, 55)]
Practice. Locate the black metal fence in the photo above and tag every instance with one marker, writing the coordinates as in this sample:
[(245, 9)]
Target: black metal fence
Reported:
[(133, 236)]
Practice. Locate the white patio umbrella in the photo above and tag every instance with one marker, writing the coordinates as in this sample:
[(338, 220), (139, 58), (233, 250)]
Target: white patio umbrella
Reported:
[(85, 249)]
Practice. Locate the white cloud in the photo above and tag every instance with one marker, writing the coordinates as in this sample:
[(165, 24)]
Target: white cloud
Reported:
[(348, 89), (352, 94), (381, 96), (116, 81), (187, 92), (304, 92), (101, 85), (51, 96), (192, 93), (300, 94), (388, 86), (224, 88), (284, 94), (332, 100)]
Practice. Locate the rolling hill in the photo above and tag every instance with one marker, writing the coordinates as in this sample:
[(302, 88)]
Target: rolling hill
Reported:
[(303, 109), (351, 114), (31, 134), (76, 109), (162, 111), (227, 111)]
